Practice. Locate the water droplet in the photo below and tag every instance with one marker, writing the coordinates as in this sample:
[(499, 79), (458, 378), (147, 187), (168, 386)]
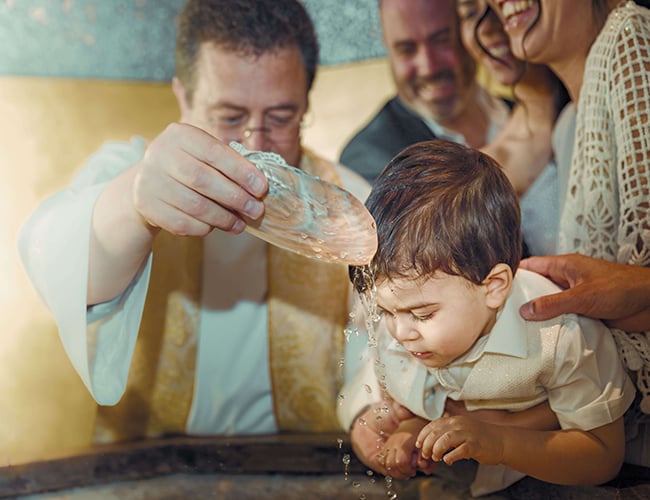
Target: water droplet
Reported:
[(346, 459), (356, 484), (340, 442), (368, 388), (362, 421)]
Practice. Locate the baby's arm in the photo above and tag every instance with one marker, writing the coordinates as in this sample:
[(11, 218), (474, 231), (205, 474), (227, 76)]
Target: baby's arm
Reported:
[(569, 456), (539, 417)]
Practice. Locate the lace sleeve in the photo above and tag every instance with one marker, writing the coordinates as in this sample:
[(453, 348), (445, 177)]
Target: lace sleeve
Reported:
[(607, 211), (629, 91)]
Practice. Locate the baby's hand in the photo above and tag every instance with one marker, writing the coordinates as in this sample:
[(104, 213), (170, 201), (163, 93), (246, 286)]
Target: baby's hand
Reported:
[(400, 456), (455, 438), (399, 459)]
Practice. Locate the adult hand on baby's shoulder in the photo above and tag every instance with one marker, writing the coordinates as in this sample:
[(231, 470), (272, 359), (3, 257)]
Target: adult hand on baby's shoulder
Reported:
[(616, 293)]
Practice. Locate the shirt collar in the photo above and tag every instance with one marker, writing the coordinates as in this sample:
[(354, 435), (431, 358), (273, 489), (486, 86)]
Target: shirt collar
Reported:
[(506, 335)]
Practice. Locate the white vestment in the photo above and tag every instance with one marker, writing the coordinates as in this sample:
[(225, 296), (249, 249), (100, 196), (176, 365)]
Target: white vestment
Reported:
[(232, 388)]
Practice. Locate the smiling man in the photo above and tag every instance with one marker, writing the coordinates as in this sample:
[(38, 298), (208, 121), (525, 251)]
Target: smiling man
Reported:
[(437, 94)]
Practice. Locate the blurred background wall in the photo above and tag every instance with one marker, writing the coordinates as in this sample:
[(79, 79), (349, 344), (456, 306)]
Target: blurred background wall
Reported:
[(76, 73)]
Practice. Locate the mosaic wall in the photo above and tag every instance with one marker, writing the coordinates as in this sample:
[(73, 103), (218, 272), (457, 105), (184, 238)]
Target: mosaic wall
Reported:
[(134, 39)]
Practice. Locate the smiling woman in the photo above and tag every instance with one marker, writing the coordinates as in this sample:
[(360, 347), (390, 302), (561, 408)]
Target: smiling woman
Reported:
[(604, 197), (524, 145)]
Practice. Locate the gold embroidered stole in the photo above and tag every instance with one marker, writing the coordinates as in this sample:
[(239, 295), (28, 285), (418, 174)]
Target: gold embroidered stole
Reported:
[(307, 315), (307, 305)]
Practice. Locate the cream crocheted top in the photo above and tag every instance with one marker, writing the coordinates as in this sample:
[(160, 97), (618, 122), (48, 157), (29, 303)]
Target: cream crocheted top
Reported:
[(607, 209)]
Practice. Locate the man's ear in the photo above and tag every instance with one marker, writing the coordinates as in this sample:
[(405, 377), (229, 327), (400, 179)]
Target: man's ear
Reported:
[(181, 98), (497, 285)]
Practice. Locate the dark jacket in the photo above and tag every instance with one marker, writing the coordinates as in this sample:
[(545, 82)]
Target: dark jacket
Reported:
[(392, 129)]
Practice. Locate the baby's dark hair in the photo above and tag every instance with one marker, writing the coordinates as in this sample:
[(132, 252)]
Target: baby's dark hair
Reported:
[(441, 206)]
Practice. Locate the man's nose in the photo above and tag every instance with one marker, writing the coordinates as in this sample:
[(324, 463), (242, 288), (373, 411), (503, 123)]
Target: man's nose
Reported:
[(427, 60), (256, 138)]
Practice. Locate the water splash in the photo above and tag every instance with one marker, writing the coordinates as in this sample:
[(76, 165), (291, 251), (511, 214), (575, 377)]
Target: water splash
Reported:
[(367, 299), (390, 493), (346, 466)]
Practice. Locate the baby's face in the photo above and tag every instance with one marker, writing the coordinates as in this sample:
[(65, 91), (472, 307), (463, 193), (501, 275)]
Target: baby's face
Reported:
[(437, 319)]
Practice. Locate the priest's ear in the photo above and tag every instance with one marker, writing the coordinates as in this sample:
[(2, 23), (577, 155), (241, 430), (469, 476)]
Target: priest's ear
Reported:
[(182, 98), (497, 285)]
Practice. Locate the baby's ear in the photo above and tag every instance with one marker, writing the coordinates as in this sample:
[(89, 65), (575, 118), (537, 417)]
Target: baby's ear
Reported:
[(497, 285)]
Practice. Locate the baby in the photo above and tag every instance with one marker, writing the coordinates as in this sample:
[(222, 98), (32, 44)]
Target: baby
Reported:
[(448, 292)]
